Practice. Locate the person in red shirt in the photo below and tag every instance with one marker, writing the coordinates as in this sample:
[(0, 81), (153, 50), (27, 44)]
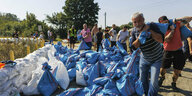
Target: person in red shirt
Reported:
[(173, 48)]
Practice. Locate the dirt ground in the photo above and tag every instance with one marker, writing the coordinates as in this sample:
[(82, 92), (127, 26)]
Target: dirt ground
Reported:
[(184, 83)]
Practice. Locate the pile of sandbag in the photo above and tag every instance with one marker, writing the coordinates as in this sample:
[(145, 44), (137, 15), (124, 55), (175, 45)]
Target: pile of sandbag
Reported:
[(24, 76)]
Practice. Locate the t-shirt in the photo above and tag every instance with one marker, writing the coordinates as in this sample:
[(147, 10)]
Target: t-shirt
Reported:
[(151, 50), (123, 35), (176, 42), (99, 36), (114, 33), (85, 33)]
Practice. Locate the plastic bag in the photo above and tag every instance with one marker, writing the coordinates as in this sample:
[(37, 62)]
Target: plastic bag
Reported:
[(47, 84), (122, 50), (72, 74), (144, 35), (126, 85), (83, 46), (139, 88), (61, 75), (80, 78)]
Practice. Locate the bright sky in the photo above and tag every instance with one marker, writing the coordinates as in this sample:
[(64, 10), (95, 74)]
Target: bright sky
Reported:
[(118, 11)]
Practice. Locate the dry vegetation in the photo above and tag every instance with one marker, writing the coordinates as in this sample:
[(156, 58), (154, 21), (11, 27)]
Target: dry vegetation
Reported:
[(19, 49)]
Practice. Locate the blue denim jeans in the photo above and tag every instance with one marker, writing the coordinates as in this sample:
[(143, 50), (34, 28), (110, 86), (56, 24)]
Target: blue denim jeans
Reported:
[(150, 88)]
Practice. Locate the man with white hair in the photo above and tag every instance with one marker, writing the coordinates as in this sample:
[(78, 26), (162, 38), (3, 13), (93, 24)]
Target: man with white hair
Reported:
[(151, 52)]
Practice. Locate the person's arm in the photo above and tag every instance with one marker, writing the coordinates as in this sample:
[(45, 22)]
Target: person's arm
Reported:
[(92, 31), (170, 35), (110, 33), (184, 20), (136, 44), (118, 35), (189, 39)]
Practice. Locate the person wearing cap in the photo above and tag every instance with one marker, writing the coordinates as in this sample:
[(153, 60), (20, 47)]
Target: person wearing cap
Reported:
[(94, 31), (123, 36), (72, 36), (173, 53), (151, 53)]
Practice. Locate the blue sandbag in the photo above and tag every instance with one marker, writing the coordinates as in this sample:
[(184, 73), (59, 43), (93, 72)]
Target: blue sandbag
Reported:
[(70, 65), (123, 51), (83, 46), (72, 74), (117, 57), (92, 57), (72, 92), (133, 63), (83, 54), (126, 85), (144, 35), (139, 88), (63, 58), (163, 27), (81, 64), (47, 84), (79, 37), (105, 43), (185, 33), (91, 72)]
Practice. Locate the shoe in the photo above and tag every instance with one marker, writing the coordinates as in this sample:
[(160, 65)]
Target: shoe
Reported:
[(161, 81), (173, 85)]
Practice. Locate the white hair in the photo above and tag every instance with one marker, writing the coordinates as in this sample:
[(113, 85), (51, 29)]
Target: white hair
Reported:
[(137, 14)]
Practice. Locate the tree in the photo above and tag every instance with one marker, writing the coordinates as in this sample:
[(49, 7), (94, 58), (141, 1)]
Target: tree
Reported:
[(60, 21), (81, 11)]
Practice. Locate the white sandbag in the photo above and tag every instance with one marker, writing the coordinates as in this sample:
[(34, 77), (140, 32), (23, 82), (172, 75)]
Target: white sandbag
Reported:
[(3, 76), (31, 88), (5, 86), (80, 78), (51, 52), (61, 75), (11, 72), (22, 79)]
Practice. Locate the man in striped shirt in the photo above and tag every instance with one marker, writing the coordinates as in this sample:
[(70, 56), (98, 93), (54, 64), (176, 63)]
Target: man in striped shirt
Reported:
[(151, 52)]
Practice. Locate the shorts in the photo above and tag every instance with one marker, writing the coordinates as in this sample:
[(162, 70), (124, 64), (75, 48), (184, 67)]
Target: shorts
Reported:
[(94, 39), (175, 57), (72, 40)]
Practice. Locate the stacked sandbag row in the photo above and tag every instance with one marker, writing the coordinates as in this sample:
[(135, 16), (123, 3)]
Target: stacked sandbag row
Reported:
[(24, 76), (19, 39)]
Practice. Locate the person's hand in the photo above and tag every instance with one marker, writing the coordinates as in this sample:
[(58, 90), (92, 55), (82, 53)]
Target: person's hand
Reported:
[(172, 27), (190, 52)]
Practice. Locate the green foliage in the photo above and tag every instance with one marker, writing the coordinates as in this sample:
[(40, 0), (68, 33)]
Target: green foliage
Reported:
[(81, 11), (60, 21), (9, 23), (129, 25)]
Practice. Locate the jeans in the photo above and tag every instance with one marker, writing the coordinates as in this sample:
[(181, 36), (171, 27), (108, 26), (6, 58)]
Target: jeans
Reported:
[(150, 88), (89, 44), (98, 45)]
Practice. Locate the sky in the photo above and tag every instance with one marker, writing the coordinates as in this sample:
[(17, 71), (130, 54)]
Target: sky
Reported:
[(118, 11)]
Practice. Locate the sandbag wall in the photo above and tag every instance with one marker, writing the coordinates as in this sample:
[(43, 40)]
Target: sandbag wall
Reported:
[(25, 74)]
